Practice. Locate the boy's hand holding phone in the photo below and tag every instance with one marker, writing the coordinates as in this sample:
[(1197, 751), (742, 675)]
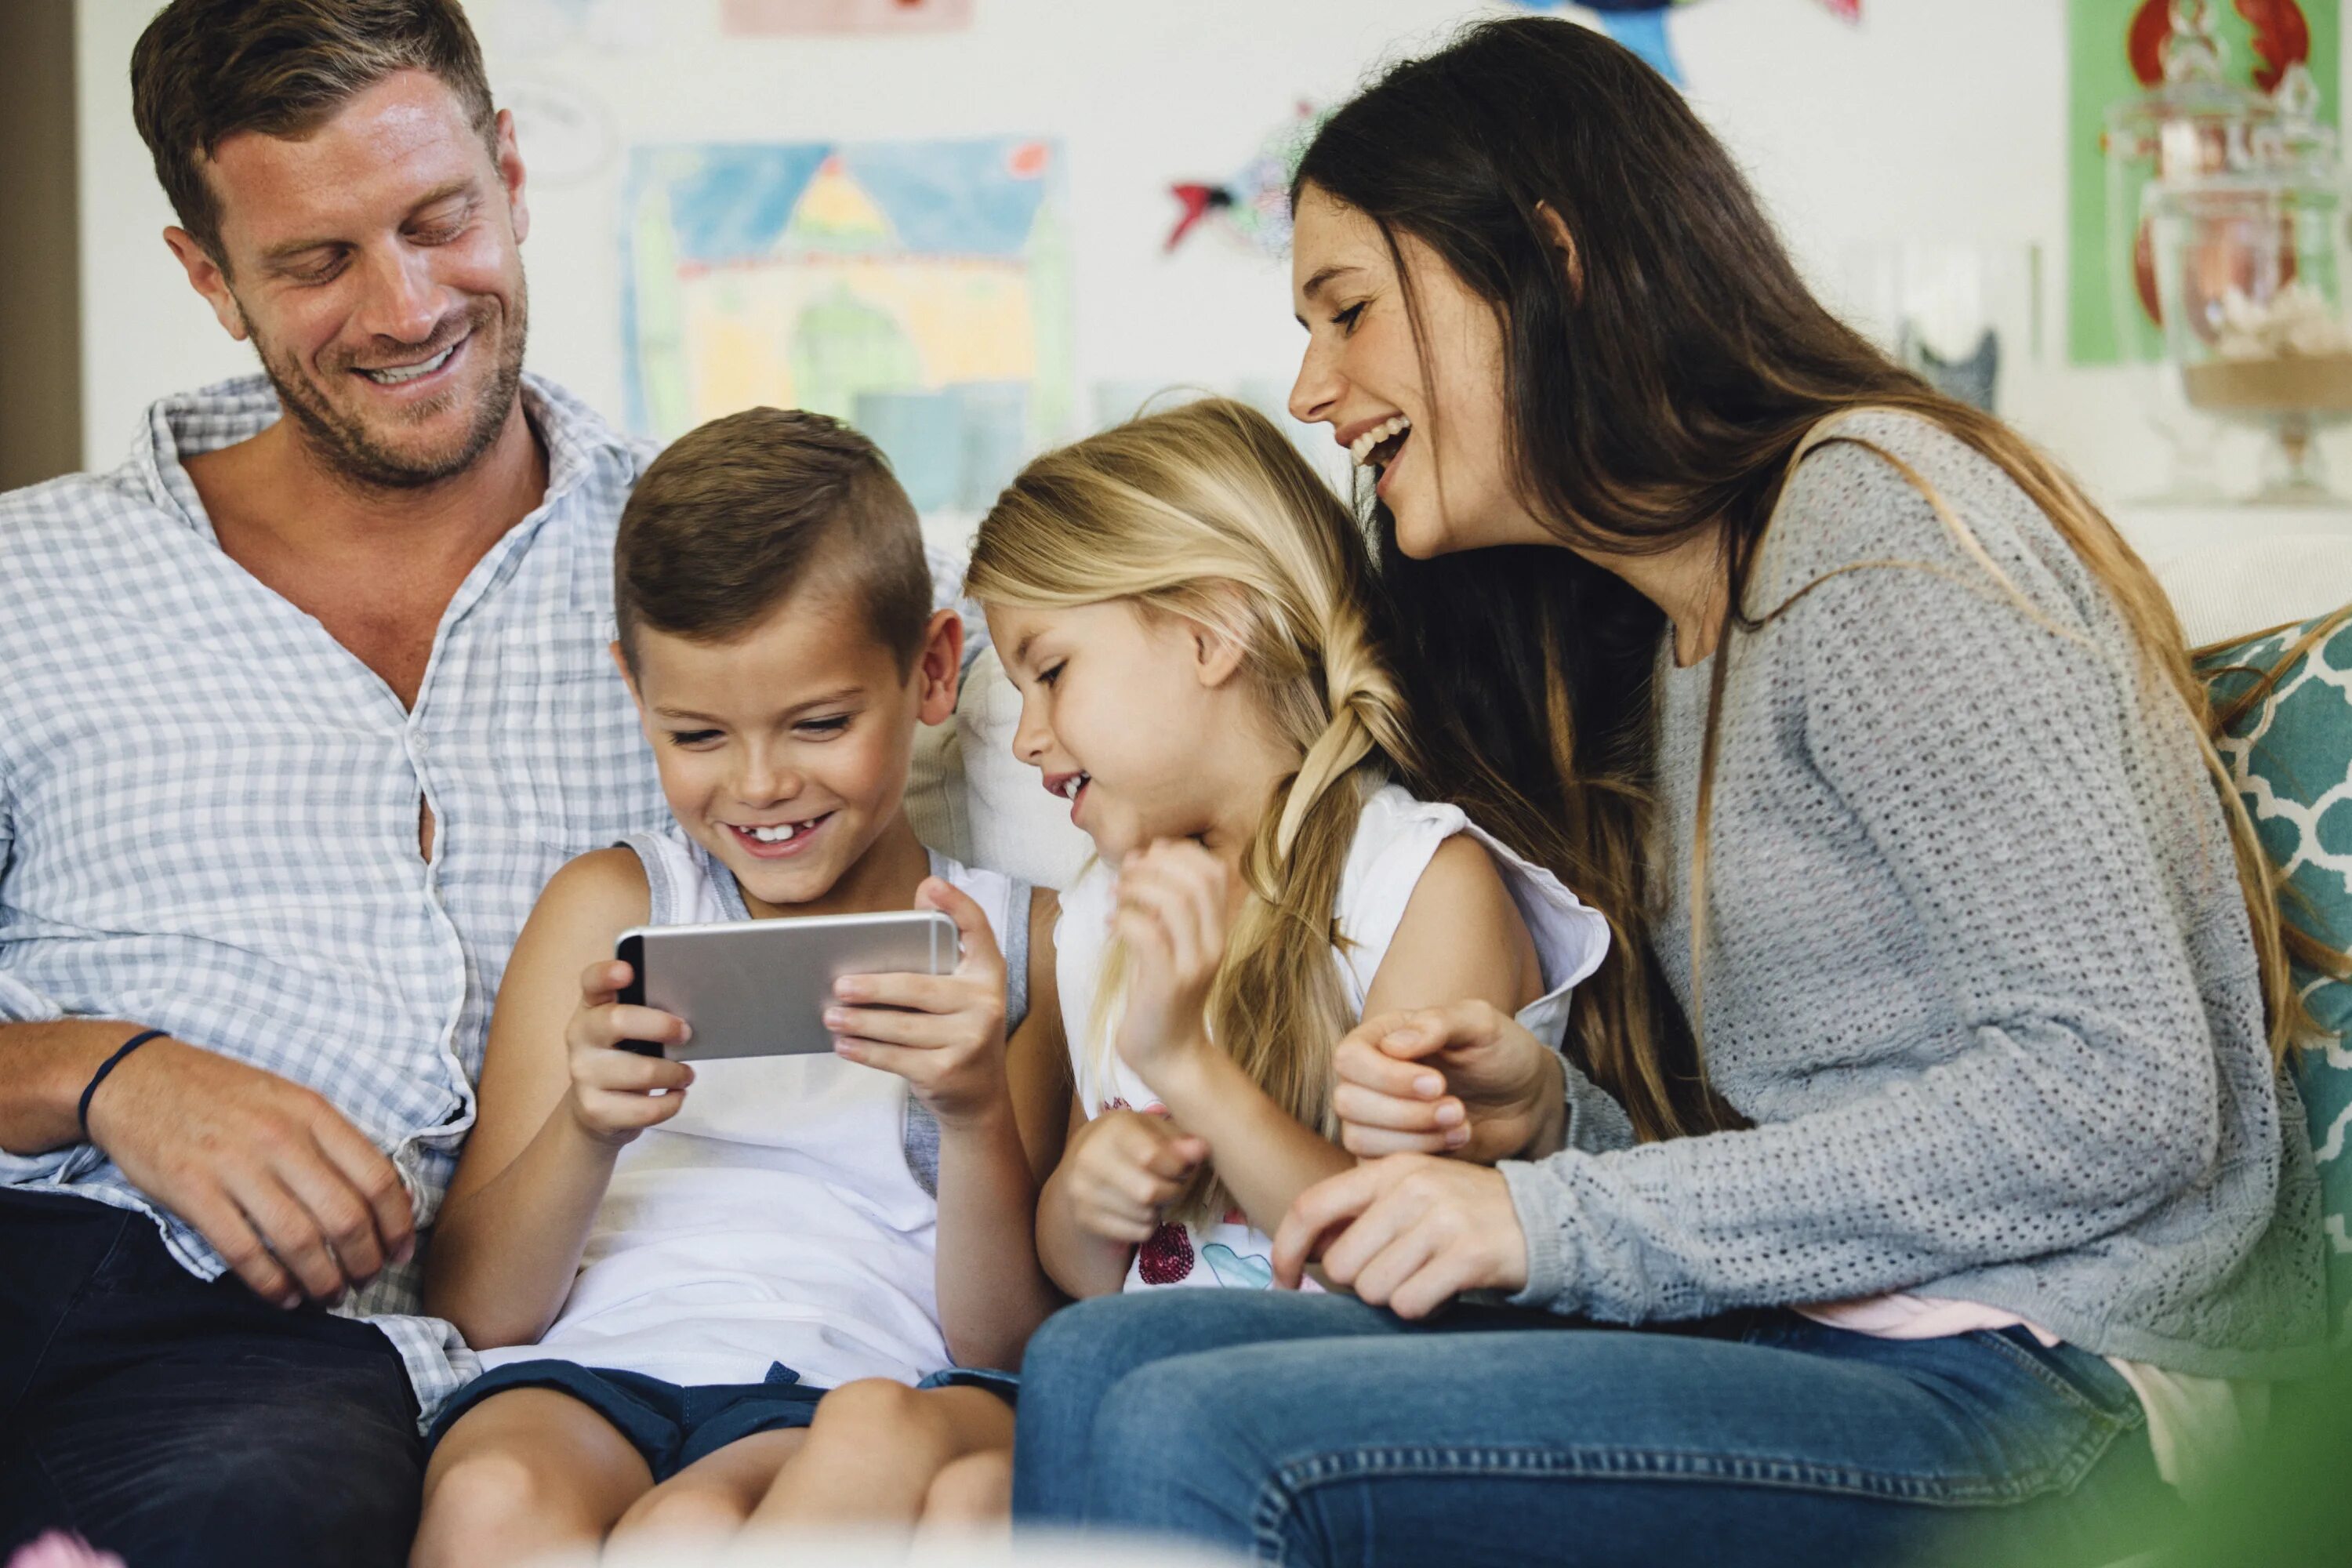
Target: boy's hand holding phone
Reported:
[(1122, 1168), (617, 1094), (1171, 914), (944, 1034)]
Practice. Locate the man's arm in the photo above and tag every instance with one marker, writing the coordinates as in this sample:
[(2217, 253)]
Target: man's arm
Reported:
[(282, 1185)]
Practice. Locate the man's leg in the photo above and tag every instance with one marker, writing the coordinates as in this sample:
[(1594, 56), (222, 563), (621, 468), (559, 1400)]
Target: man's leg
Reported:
[(178, 1422)]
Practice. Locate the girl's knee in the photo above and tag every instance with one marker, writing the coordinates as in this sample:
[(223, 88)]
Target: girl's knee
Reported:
[(974, 1490)]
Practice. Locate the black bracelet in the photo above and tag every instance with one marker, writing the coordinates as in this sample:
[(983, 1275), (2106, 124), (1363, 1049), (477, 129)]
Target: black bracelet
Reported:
[(82, 1113)]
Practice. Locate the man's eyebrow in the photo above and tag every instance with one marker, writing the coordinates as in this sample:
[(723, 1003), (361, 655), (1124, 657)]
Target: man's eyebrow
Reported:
[(289, 249)]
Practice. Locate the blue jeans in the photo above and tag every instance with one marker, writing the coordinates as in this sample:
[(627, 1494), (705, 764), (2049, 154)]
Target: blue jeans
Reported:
[(1318, 1430), (180, 1422)]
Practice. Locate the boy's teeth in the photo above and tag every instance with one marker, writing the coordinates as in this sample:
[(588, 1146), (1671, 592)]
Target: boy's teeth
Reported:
[(781, 833), (1361, 448), (410, 371), (1071, 787)]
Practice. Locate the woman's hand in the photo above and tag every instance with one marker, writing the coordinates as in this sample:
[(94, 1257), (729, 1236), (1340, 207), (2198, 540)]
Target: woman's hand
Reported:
[(1408, 1232), (944, 1034), (1170, 911), (1121, 1169), (617, 1094), (1467, 1079)]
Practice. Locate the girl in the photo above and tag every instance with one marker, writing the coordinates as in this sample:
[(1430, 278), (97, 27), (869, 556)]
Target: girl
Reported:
[(1953, 1141), (1184, 607)]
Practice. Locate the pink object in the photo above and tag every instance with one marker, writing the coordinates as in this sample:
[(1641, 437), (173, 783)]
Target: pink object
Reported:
[(60, 1549), (1848, 9), (785, 18)]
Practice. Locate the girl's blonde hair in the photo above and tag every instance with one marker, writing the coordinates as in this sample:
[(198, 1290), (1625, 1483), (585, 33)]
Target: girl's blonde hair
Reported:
[(1207, 512)]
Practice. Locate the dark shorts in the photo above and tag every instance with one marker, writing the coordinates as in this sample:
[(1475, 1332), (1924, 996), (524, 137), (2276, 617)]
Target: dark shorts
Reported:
[(672, 1426)]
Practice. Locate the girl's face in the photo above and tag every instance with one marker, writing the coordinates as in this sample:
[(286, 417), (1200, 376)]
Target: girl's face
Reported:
[(1128, 716), (1432, 430)]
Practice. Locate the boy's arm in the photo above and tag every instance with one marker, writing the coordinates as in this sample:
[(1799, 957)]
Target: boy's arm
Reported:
[(508, 1238), (1462, 937), (992, 1290)]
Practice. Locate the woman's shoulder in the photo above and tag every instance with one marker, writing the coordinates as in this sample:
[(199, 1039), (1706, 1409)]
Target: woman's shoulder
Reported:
[(1884, 490)]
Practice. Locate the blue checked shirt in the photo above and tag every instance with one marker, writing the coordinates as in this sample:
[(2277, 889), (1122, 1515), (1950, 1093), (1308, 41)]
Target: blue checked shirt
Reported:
[(208, 806)]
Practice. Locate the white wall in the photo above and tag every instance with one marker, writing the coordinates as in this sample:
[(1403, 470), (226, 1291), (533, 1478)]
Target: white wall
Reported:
[(1935, 121)]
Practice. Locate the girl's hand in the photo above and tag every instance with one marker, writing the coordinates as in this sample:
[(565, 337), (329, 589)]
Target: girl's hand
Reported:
[(1408, 1232), (1171, 911), (1122, 1168), (1467, 1079), (944, 1034), (617, 1094)]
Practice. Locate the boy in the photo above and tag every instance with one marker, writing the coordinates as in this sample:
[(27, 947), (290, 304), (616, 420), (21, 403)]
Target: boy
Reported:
[(664, 1266)]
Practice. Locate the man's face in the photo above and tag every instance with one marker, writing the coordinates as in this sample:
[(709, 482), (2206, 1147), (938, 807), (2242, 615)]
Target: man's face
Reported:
[(375, 265)]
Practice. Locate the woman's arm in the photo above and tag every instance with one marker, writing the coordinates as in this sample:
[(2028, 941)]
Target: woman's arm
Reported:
[(1460, 938), (2080, 1087), (508, 1241)]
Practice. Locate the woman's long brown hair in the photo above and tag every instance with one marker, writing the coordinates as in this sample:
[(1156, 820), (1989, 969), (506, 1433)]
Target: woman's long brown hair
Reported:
[(1658, 390)]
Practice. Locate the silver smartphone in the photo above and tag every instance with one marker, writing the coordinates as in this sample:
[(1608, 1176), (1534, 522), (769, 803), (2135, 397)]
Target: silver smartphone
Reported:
[(759, 988)]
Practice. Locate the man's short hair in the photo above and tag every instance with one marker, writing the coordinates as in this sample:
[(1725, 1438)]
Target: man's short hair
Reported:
[(740, 513), (207, 69)]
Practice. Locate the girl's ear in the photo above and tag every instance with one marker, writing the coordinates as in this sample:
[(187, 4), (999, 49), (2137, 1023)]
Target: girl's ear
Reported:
[(1217, 655), (939, 668)]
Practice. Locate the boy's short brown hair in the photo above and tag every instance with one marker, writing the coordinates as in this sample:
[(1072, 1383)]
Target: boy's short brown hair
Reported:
[(207, 69), (741, 511)]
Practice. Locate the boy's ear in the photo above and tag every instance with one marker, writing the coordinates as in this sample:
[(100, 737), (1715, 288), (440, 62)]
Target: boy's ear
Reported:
[(940, 668)]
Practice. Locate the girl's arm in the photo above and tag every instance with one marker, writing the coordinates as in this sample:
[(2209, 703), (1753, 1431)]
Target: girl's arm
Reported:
[(993, 1292), (508, 1236), (1462, 938), (1117, 1171)]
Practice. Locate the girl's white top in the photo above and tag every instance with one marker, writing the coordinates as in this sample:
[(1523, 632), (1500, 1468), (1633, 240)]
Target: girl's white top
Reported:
[(775, 1218), (1395, 838)]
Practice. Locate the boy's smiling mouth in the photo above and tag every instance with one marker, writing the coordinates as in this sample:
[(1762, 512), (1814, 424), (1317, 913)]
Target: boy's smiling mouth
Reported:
[(774, 841)]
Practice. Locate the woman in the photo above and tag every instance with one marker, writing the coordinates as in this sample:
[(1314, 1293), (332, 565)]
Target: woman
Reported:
[(1985, 1200)]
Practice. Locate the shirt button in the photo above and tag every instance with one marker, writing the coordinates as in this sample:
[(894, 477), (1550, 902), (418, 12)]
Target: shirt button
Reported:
[(420, 743)]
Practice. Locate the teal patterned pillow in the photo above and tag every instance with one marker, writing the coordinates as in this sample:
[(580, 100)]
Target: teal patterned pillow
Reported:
[(2290, 754)]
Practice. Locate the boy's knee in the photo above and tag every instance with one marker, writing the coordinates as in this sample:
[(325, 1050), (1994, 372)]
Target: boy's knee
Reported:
[(974, 1490), (483, 1490), (873, 1407), (675, 1511)]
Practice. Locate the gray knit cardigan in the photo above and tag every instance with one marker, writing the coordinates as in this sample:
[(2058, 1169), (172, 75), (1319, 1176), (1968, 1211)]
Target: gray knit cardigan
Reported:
[(1976, 966)]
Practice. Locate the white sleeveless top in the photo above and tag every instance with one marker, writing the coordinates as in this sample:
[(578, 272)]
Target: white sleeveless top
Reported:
[(1395, 838), (783, 1214)]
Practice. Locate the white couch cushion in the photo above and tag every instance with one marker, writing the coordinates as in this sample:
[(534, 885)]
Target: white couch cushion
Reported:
[(2229, 590)]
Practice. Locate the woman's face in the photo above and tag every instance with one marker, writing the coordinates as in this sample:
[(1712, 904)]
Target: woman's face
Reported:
[(1432, 430)]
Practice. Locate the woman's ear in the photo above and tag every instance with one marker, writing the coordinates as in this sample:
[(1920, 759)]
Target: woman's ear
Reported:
[(1555, 234)]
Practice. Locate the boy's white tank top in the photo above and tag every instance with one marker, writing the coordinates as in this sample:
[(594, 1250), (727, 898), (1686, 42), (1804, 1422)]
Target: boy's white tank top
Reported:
[(1395, 838), (785, 1214)]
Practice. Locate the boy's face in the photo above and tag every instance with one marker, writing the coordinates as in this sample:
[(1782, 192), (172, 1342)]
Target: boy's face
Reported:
[(783, 750)]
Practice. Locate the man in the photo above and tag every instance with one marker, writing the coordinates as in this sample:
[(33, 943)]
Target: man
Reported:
[(302, 707)]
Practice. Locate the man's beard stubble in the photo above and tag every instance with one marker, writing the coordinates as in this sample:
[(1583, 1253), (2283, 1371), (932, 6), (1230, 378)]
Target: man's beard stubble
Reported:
[(349, 448)]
